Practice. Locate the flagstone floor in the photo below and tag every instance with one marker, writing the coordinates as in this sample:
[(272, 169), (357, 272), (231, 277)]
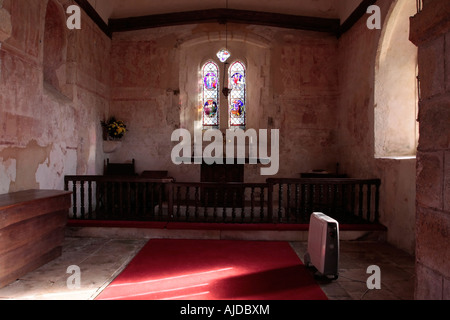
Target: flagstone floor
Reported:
[(100, 260)]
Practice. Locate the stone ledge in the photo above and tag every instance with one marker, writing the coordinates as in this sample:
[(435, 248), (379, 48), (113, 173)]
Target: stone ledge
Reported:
[(158, 230)]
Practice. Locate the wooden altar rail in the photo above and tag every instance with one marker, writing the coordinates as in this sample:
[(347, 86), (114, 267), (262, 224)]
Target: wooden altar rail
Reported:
[(276, 201), (116, 197), (346, 200), (220, 202)]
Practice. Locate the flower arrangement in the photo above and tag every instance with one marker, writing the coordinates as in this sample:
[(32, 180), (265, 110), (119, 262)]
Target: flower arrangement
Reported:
[(114, 129)]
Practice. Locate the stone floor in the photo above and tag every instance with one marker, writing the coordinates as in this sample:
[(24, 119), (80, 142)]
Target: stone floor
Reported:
[(101, 260), (396, 269)]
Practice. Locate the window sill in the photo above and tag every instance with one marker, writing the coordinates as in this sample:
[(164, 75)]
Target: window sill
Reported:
[(396, 158)]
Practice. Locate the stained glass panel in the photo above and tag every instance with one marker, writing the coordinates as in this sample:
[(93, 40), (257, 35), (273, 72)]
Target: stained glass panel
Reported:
[(223, 55), (210, 81), (210, 95), (237, 81), (237, 98)]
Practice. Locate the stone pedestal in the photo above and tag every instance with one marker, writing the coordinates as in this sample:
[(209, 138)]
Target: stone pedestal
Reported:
[(111, 146)]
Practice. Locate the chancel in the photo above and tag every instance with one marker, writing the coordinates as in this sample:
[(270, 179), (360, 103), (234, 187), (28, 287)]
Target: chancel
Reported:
[(224, 120)]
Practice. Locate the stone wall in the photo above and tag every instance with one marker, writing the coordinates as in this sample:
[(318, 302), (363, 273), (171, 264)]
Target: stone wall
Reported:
[(292, 86), (358, 63), (49, 128), (317, 89), (430, 31)]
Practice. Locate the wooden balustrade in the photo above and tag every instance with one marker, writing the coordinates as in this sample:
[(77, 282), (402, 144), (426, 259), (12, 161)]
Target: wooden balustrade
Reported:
[(346, 200), (116, 197), (276, 201), (220, 202)]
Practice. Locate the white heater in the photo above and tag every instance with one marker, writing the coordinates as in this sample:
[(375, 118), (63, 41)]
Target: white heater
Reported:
[(323, 245)]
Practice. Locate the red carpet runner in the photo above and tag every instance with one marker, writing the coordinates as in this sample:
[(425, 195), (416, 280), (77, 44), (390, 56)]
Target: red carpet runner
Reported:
[(168, 269)]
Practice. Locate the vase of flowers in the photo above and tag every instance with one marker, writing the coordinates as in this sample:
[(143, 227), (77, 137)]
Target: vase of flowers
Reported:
[(113, 129), (113, 132)]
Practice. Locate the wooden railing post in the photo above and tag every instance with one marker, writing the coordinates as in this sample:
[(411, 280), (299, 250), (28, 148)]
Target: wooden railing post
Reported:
[(74, 197), (270, 199), (348, 200), (170, 202), (377, 201)]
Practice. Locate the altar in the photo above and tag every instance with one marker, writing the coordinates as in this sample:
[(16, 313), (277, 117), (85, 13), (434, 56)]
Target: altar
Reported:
[(225, 171)]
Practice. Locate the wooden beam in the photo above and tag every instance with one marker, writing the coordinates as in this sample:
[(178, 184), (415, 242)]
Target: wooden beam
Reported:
[(90, 11), (226, 15), (359, 12)]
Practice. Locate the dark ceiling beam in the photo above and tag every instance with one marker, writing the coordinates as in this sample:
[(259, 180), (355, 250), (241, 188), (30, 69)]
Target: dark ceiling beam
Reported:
[(90, 11), (357, 14), (226, 15)]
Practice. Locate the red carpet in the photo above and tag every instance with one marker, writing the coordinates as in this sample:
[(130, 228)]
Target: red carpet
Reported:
[(168, 269)]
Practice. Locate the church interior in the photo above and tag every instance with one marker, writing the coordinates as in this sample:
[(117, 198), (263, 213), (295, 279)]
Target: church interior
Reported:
[(354, 91)]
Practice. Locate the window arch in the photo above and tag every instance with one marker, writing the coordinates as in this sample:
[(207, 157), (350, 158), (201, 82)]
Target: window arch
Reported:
[(237, 99), (396, 96), (210, 96), (233, 100)]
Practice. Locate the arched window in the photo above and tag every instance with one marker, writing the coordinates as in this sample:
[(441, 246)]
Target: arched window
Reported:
[(234, 99), (396, 95), (237, 98), (211, 87)]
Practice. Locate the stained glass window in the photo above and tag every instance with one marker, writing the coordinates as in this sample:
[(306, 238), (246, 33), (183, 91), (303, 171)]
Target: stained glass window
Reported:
[(237, 98), (210, 94)]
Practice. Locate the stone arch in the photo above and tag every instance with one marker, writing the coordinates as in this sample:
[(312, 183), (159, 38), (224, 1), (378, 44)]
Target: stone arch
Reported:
[(249, 47), (396, 132), (232, 36)]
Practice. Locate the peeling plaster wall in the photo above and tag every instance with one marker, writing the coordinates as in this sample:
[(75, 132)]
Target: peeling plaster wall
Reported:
[(48, 130), (292, 86), (357, 63), (318, 90)]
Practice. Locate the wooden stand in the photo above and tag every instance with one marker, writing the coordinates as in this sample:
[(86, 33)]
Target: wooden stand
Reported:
[(32, 226)]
